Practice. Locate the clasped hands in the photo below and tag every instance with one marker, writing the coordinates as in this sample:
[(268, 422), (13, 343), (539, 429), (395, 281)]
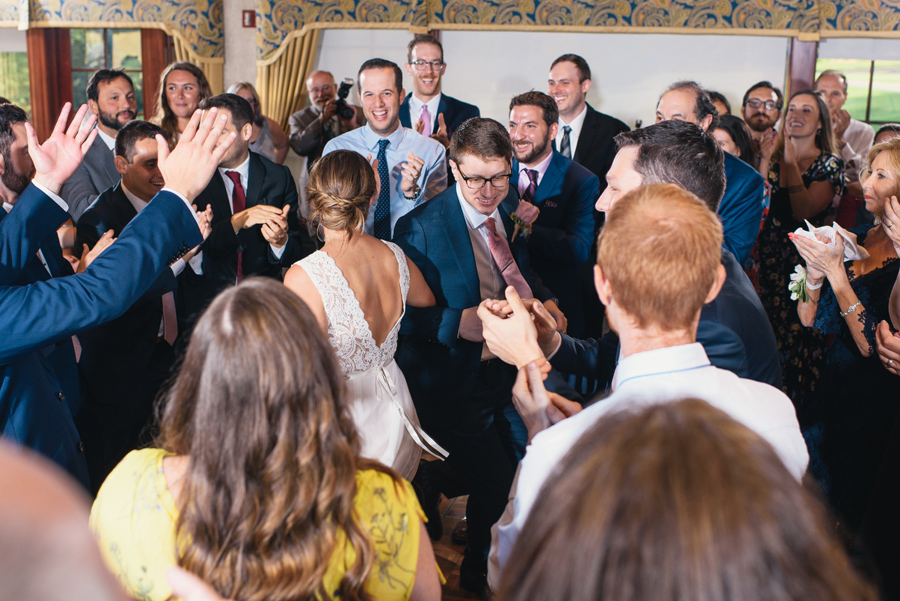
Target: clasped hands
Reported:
[(821, 260), (272, 219)]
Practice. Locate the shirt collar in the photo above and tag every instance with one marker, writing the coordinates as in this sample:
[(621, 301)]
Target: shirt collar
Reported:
[(136, 202), (541, 167), (7, 207), (473, 217), (371, 138), (107, 139), (243, 170), (661, 361), (576, 122), (415, 105)]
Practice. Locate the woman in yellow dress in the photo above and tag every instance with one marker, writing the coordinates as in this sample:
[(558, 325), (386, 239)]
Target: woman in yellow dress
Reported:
[(257, 486)]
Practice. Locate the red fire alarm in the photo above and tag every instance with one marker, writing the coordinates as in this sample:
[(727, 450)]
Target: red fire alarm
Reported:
[(248, 18)]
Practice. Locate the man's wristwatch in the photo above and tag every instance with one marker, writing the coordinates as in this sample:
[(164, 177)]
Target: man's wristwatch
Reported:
[(412, 194)]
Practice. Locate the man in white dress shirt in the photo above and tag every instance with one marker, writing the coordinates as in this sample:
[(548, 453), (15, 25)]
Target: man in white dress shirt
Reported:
[(852, 138), (658, 263)]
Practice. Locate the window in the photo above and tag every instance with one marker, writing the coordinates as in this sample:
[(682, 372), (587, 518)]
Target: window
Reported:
[(872, 88), (94, 49), (14, 79)]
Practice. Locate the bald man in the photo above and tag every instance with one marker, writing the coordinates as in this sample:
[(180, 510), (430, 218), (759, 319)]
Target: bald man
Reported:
[(314, 126)]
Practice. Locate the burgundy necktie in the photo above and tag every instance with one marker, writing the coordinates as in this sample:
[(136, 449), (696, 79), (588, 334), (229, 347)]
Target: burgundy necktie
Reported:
[(238, 203), (505, 262), (530, 191)]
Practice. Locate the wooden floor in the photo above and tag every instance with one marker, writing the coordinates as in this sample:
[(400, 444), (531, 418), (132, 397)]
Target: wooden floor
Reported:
[(449, 555)]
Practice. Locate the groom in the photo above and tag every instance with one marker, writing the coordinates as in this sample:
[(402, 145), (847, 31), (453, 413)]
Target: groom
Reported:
[(461, 242)]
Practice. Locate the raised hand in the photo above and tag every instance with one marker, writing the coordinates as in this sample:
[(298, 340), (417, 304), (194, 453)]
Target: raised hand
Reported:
[(204, 221), (890, 221), (539, 408), (60, 155), (768, 143), (441, 134), (189, 167), (527, 212), (512, 338), (821, 260), (410, 171), (275, 230), (88, 256), (840, 121)]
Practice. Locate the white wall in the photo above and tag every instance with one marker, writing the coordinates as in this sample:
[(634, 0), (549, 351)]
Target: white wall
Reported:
[(240, 43), (629, 70)]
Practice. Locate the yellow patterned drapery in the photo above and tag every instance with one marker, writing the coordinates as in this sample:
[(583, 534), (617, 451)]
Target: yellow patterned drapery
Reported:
[(281, 78)]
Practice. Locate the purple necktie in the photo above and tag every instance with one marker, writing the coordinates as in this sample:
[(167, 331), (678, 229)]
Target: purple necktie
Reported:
[(504, 260), (528, 195)]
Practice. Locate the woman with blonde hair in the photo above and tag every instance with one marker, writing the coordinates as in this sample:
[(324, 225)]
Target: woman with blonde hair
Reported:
[(268, 138), (182, 87), (257, 486), (358, 288), (847, 420), (675, 502)]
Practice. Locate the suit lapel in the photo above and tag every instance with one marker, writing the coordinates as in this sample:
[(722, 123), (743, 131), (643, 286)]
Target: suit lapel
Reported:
[(587, 135), (257, 176), (404, 112), (446, 109), (457, 232), (514, 178), (550, 181), (106, 160)]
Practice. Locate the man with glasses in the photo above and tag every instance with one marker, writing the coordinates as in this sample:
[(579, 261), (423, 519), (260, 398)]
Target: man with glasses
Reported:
[(314, 126), (426, 109), (564, 192), (761, 109), (462, 242)]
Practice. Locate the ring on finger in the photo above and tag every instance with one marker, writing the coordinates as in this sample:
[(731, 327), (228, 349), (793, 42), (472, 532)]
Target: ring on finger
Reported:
[(890, 362)]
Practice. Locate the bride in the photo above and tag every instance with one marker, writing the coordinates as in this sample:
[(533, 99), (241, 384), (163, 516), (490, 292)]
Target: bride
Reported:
[(358, 286)]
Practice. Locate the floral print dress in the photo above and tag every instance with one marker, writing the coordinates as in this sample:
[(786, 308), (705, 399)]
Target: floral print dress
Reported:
[(799, 348)]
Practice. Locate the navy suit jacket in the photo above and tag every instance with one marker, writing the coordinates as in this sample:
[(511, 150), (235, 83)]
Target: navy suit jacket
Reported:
[(734, 331), (32, 408), (268, 184), (741, 208), (440, 367), (563, 233), (455, 112)]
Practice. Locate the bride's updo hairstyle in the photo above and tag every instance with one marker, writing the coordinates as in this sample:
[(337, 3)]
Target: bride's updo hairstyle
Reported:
[(341, 187)]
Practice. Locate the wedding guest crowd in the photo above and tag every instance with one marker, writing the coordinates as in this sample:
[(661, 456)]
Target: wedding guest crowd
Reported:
[(268, 391)]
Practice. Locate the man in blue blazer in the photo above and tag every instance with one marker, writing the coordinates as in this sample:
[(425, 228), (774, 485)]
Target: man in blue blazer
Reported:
[(734, 328), (461, 241), (742, 205), (33, 411), (565, 192)]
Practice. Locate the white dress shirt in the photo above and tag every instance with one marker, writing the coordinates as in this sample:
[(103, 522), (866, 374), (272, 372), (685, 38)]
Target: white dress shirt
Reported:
[(575, 134), (107, 139), (244, 171), (657, 376), (490, 280), (858, 139), (415, 111), (541, 169)]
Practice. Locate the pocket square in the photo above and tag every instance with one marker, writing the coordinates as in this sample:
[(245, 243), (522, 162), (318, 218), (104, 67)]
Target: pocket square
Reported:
[(550, 204)]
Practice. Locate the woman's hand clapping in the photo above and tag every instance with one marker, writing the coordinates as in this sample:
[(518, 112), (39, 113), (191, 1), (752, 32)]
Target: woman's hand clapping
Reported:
[(821, 260)]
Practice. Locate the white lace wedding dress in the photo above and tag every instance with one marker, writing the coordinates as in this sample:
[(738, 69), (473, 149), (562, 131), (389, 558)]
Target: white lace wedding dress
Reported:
[(380, 402)]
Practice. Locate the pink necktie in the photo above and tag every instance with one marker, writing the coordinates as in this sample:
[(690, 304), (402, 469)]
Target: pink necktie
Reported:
[(170, 326), (504, 260), (426, 120)]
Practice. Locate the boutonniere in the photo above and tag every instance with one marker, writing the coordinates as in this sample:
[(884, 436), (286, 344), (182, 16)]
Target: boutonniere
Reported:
[(520, 226)]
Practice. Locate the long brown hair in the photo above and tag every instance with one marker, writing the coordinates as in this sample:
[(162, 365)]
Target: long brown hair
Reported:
[(677, 502), (258, 406), (164, 117)]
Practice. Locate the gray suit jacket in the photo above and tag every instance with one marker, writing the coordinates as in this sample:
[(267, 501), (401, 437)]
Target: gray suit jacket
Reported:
[(308, 137), (96, 174)]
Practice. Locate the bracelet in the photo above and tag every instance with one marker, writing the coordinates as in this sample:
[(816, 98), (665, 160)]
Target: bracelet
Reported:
[(811, 287), (796, 188), (851, 309)]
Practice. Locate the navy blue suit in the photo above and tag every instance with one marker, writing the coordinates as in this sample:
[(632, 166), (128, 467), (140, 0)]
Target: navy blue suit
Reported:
[(563, 233), (33, 411), (455, 112), (466, 404), (741, 208), (734, 331)]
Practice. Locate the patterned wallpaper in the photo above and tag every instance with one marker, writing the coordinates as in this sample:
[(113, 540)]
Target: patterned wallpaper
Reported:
[(199, 22)]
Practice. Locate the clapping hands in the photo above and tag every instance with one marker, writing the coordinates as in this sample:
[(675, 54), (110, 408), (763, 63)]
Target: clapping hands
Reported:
[(60, 155), (821, 260)]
